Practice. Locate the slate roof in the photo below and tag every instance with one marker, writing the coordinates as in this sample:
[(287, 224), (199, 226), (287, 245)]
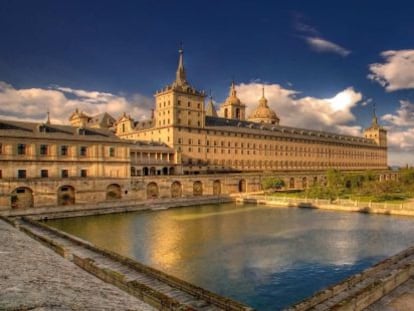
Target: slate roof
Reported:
[(247, 127)]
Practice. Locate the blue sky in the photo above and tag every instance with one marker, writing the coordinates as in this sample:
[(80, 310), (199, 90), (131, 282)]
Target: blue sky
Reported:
[(108, 55)]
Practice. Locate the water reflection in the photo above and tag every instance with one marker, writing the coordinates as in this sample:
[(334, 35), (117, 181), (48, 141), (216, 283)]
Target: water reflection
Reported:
[(266, 257)]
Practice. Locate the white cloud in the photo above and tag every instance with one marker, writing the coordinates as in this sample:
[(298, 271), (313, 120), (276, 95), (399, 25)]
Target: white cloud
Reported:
[(330, 114), (314, 38), (401, 133), (397, 72), (404, 116), (32, 104), (319, 44)]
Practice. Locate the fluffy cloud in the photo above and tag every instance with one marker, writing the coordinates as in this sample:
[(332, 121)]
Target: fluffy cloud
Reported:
[(401, 133), (397, 72), (322, 45), (32, 104), (330, 114), (404, 116)]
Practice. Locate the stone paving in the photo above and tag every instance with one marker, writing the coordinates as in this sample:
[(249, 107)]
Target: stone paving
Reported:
[(400, 299), (33, 277)]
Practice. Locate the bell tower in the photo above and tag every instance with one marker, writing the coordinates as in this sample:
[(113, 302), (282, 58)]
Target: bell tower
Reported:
[(179, 104), (233, 108), (376, 132)]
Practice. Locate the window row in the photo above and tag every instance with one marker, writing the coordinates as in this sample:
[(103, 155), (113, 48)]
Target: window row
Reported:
[(64, 150), (22, 174)]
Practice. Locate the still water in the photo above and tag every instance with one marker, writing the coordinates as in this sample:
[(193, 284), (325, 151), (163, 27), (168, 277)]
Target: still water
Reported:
[(268, 258)]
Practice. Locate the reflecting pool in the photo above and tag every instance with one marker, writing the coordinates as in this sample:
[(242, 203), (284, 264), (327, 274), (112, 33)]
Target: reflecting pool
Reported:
[(268, 258)]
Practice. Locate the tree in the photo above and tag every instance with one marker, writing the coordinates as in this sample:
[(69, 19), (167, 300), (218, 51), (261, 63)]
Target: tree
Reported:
[(272, 182)]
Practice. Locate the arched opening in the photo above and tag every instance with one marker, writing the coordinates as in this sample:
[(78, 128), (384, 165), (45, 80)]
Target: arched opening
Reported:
[(153, 171), (304, 183), (113, 192), (172, 171), (225, 113), (145, 171), (165, 170), (133, 171), (292, 183), (176, 189), (66, 195), (242, 185), (197, 188), (315, 180), (216, 187), (152, 190), (22, 197), (238, 113)]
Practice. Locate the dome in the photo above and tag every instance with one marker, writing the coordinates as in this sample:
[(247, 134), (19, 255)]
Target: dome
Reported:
[(263, 114), (233, 100)]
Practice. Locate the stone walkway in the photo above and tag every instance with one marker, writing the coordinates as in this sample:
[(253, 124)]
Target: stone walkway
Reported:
[(400, 299), (33, 277)]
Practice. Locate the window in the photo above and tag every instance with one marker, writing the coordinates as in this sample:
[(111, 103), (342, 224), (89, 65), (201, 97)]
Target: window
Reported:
[(1, 174), (44, 173), (65, 173), (83, 151), (21, 174), (1, 148), (21, 149), (84, 173), (112, 152), (189, 104), (64, 150), (44, 150)]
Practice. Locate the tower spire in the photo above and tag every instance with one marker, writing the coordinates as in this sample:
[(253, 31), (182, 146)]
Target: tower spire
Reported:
[(374, 115), (233, 92), (48, 117), (180, 78)]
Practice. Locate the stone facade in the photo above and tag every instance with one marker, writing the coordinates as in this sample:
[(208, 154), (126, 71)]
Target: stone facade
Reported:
[(205, 142)]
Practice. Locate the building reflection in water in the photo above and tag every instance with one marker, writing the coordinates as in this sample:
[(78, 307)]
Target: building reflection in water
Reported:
[(266, 257)]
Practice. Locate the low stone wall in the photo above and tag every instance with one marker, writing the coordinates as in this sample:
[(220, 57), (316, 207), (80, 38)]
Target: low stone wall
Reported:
[(367, 295), (402, 209), (113, 207), (48, 242), (141, 291)]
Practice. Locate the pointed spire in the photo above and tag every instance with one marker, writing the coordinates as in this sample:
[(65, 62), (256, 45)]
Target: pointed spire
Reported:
[(263, 100), (48, 117), (180, 78), (374, 116), (211, 110), (233, 92)]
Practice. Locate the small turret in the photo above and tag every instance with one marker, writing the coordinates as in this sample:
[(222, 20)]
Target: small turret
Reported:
[(79, 119), (233, 108)]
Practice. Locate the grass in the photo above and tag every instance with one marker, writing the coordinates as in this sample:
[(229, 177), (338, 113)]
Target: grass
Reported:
[(385, 198)]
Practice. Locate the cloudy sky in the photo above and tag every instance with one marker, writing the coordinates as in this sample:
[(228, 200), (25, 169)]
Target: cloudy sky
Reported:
[(324, 63)]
